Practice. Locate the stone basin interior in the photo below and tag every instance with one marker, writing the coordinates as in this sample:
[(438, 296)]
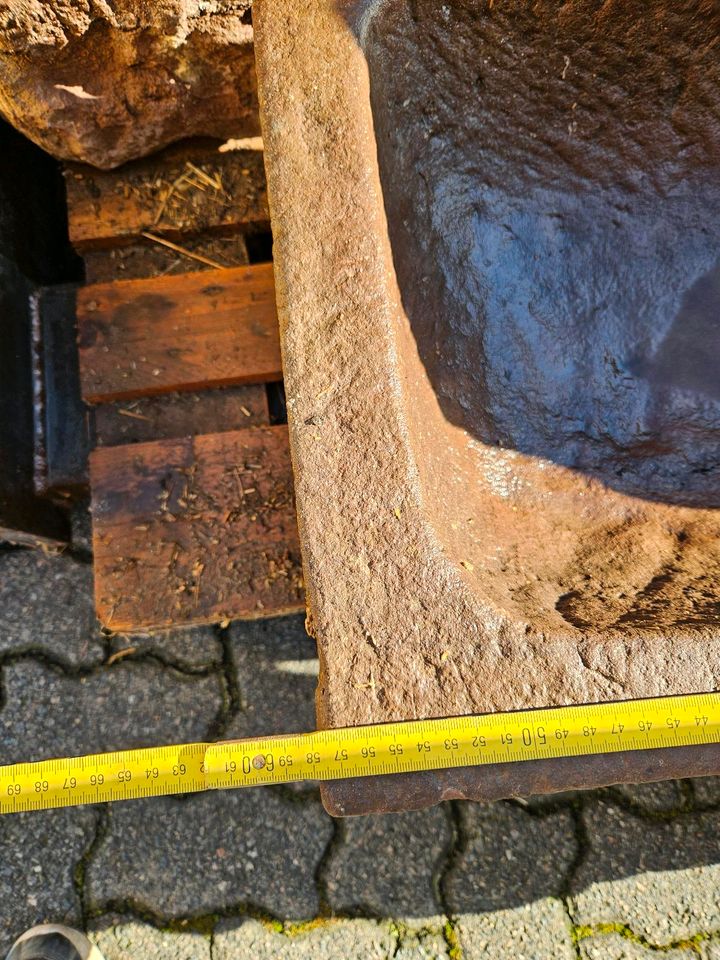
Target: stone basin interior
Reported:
[(550, 177)]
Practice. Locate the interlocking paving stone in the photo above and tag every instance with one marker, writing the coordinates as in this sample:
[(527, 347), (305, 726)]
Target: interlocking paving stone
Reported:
[(509, 857), (385, 863), (535, 931), (333, 940), (706, 790), (123, 938), (191, 646), (46, 603), (663, 797), (418, 941), (38, 855), (661, 879), (127, 705), (615, 947), (211, 852), (277, 670)]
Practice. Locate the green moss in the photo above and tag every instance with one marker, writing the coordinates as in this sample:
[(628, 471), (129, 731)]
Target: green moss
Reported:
[(203, 925), (453, 941), (585, 931), (288, 928)]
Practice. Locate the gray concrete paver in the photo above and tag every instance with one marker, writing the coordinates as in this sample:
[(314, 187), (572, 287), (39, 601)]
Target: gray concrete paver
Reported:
[(613, 946), (277, 669), (212, 852), (654, 870), (335, 940), (509, 857), (534, 931), (660, 878), (422, 941), (194, 647), (125, 938), (127, 705), (706, 790), (386, 863), (38, 856), (662, 798), (46, 603)]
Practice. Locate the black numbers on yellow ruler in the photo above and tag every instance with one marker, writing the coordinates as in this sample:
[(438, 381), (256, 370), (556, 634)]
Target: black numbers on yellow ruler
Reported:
[(364, 751)]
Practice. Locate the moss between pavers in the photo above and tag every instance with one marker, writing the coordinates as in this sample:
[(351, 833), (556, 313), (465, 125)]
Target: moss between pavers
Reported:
[(585, 932), (453, 940)]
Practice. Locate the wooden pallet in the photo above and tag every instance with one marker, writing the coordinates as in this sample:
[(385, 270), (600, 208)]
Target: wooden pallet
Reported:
[(190, 478)]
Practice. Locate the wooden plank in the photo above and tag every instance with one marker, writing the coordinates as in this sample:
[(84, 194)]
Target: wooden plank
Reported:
[(179, 191), (180, 415), (143, 337), (195, 531)]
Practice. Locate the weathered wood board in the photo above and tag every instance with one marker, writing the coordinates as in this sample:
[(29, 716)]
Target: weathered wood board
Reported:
[(201, 329), (173, 193), (195, 530)]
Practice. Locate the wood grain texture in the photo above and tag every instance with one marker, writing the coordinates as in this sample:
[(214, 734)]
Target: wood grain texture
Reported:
[(203, 329), (196, 530), (175, 415), (166, 195)]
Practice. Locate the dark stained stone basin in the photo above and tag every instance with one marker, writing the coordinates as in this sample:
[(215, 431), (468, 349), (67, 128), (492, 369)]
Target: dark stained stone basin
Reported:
[(498, 256), (550, 175)]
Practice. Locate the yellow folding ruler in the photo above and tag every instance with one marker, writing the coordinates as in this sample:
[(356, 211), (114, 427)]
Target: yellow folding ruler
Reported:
[(363, 751)]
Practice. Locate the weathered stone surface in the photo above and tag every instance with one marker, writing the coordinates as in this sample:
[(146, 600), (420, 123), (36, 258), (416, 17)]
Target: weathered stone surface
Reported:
[(535, 931), (106, 83), (658, 878), (123, 938), (491, 351), (212, 852), (349, 939), (38, 856), (509, 858), (387, 865)]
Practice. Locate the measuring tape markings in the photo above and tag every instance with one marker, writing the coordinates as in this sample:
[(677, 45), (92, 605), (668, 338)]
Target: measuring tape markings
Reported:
[(403, 747)]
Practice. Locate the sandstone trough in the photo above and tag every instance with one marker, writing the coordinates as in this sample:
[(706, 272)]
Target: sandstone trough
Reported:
[(497, 251)]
